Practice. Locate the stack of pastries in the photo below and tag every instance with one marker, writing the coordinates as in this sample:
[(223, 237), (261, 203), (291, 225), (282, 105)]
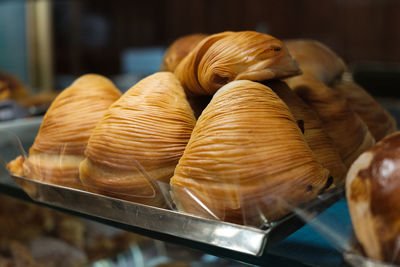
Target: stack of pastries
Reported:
[(345, 108), (242, 126)]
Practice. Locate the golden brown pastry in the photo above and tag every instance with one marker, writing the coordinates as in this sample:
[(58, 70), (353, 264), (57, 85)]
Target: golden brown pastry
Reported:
[(380, 123), (319, 62), (348, 132), (373, 195), (316, 59), (174, 55), (16, 166), (39, 100), (311, 126), (4, 91), (16, 89), (16, 254), (139, 141), (246, 159), (227, 56), (179, 49), (63, 135), (341, 107)]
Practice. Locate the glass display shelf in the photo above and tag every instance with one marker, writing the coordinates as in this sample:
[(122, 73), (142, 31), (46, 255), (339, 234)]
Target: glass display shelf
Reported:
[(241, 243)]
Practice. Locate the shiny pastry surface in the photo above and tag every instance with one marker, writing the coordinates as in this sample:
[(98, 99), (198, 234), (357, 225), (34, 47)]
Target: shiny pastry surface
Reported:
[(227, 56), (316, 59), (320, 62), (347, 130), (318, 140), (67, 125), (380, 123), (373, 195), (247, 159), (139, 141)]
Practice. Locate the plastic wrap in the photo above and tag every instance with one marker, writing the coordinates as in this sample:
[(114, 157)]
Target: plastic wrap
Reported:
[(364, 229)]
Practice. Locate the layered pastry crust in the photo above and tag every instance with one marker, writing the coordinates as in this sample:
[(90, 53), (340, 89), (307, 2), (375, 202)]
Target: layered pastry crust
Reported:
[(224, 57), (247, 160), (179, 49), (67, 125), (316, 59), (318, 140), (139, 140), (347, 130), (380, 123)]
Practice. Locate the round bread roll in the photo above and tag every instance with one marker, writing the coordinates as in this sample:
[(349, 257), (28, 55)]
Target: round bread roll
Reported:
[(373, 195)]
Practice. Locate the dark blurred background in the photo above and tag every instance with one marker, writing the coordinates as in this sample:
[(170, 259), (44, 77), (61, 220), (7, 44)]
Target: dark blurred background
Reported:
[(358, 30), (124, 38)]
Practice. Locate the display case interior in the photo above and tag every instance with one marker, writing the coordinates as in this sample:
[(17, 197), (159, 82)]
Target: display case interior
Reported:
[(220, 126)]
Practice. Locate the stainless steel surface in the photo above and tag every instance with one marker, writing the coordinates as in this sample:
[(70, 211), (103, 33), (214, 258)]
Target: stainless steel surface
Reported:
[(233, 237), (355, 259)]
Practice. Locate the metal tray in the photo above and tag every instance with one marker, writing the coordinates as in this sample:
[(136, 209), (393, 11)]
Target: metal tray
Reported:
[(242, 243)]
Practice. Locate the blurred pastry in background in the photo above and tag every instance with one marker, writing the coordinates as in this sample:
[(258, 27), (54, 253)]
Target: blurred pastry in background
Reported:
[(316, 60), (38, 104), (16, 101), (179, 49), (322, 69), (14, 253), (319, 61), (11, 91), (65, 130), (347, 130), (4, 91), (379, 121), (31, 235), (16, 89), (373, 196), (320, 143)]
